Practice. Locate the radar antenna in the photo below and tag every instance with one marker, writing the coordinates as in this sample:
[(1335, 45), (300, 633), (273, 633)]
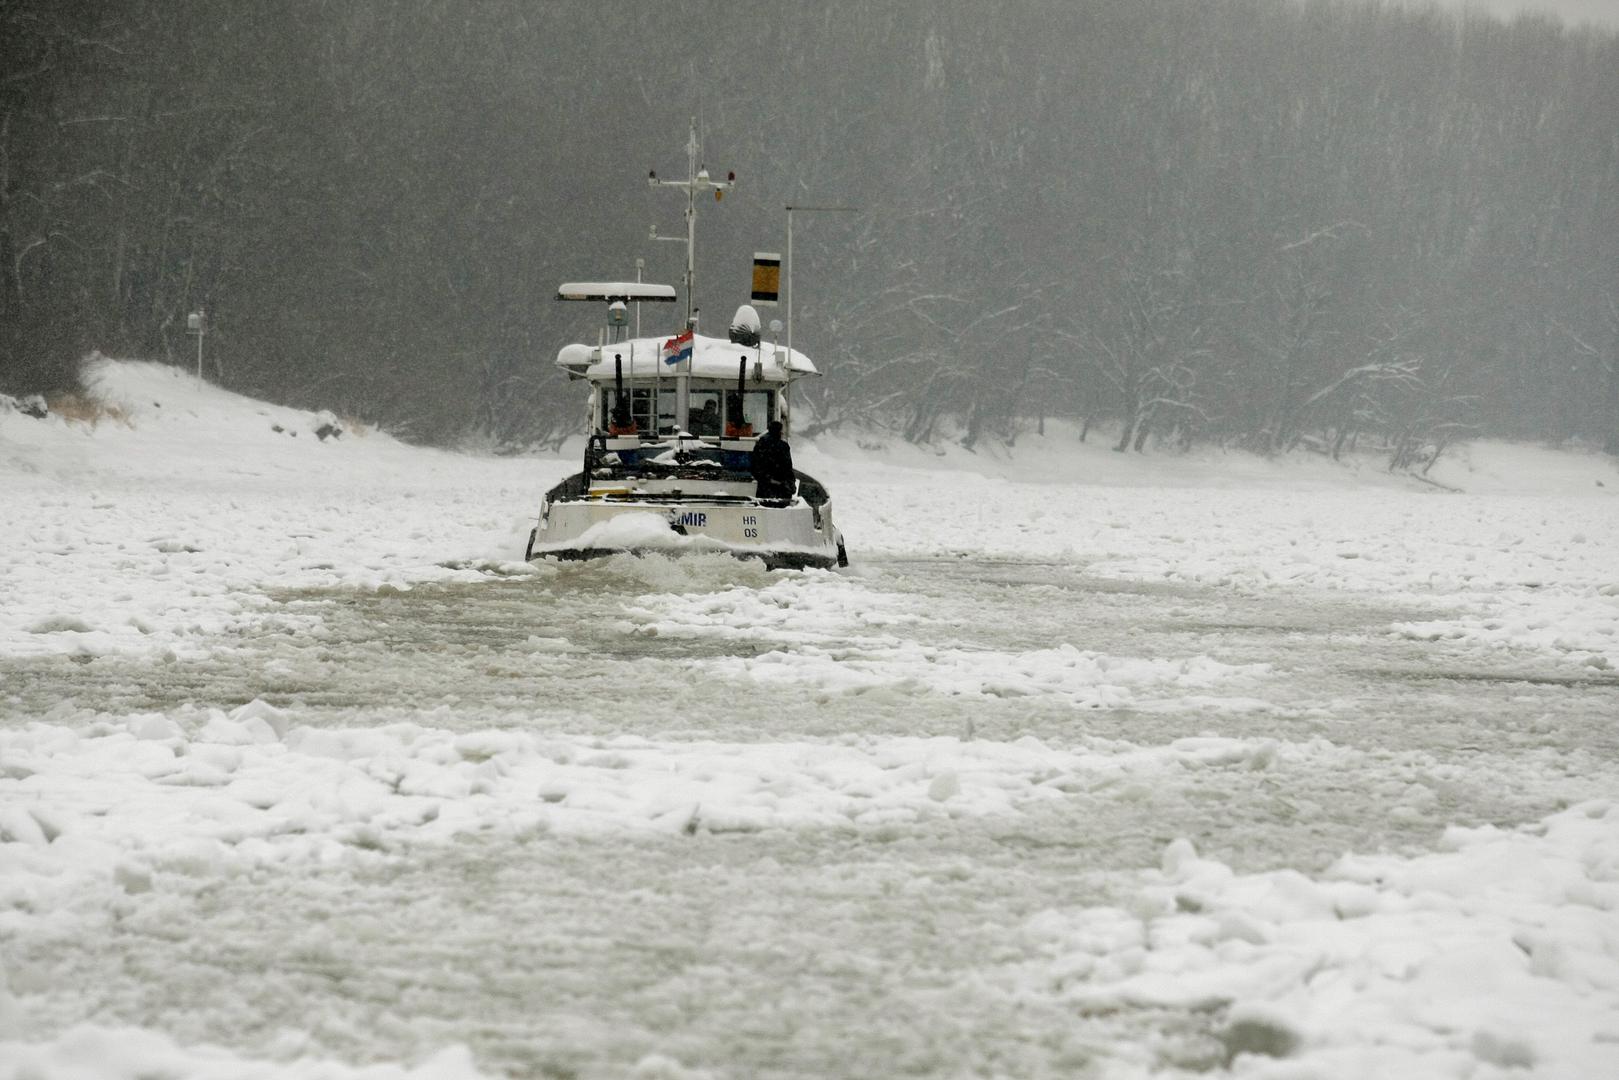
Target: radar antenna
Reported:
[(697, 179)]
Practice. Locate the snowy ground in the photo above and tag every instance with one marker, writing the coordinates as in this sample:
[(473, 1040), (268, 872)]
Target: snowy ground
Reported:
[(1090, 765)]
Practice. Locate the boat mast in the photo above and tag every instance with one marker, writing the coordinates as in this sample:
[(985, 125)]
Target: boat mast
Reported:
[(697, 179)]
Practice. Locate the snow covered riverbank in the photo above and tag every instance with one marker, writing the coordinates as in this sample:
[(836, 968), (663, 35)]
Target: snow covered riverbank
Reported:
[(1151, 766)]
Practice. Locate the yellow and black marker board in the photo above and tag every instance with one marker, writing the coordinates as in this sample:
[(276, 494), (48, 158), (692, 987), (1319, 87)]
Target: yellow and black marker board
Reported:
[(766, 277)]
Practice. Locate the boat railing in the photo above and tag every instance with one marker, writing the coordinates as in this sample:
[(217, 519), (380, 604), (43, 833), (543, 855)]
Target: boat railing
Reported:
[(811, 490), (574, 487), (598, 467), (628, 457)]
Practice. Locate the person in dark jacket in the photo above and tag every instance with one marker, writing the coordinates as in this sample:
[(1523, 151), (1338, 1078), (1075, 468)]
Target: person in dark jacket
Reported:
[(773, 465)]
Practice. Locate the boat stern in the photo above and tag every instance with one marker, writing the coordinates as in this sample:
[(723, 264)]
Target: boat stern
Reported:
[(792, 535)]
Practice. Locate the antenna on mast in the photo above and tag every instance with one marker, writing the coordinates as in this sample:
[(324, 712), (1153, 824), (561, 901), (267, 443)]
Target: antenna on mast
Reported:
[(697, 179)]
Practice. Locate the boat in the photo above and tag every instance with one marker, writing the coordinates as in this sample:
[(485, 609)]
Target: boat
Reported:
[(673, 422)]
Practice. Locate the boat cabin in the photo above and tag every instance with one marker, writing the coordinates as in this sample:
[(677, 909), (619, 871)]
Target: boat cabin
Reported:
[(678, 414)]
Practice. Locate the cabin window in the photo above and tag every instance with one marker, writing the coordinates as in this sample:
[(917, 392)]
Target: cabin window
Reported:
[(713, 412), (641, 407), (704, 417), (747, 414), (640, 403)]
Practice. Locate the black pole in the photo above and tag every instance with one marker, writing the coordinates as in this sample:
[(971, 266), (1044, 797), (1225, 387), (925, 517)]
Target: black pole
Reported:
[(620, 406)]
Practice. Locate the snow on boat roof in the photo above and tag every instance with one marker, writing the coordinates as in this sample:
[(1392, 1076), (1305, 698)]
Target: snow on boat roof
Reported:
[(616, 290), (712, 358)]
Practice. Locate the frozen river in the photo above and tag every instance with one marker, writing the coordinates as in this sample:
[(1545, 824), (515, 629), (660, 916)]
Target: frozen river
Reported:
[(1228, 767), (707, 649), (805, 949)]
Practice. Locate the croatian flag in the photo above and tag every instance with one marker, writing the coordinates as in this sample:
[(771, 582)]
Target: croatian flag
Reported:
[(677, 348)]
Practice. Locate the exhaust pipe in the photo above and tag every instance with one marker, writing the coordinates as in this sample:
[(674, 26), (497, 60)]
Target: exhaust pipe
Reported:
[(739, 423)]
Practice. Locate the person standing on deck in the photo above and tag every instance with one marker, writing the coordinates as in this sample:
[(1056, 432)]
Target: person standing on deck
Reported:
[(773, 466)]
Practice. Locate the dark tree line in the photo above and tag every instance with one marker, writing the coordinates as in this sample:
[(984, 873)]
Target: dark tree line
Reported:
[(1258, 222)]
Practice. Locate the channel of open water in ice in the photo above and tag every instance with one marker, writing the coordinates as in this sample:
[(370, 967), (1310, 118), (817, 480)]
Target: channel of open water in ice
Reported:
[(861, 951)]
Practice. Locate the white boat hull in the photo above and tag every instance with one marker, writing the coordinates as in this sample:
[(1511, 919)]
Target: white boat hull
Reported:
[(795, 535)]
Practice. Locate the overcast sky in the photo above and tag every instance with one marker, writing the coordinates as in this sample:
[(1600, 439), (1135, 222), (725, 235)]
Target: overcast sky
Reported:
[(1601, 12)]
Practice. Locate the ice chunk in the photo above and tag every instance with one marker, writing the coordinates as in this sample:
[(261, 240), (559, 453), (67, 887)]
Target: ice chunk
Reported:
[(268, 717), (59, 624), (154, 726), (1178, 858), (18, 826)]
